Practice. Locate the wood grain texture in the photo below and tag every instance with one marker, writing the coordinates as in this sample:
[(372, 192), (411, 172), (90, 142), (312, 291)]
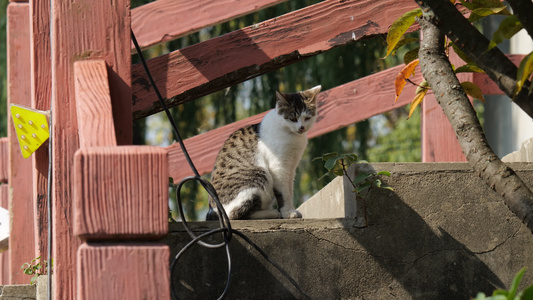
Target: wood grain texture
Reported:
[(41, 94), (4, 256), (4, 159), (165, 20), (220, 62), (121, 192), (82, 30), (93, 104), (105, 271), (338, 107), (21, 238)]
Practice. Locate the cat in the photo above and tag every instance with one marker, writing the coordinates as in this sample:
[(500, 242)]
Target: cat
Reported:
[(255, 167)]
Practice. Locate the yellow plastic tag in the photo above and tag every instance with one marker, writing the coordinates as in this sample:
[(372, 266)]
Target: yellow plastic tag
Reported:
[(31, 126)]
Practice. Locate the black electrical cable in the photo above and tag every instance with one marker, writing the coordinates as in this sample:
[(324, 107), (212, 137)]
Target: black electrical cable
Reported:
[(225, 226)]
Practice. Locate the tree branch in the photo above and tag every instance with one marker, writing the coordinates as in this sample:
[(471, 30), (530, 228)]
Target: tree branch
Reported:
[(497, 66), (524, 11), (437, 70)]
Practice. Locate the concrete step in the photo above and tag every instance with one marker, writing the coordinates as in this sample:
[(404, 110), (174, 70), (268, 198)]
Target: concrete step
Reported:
[(441, 234), (37, 291)]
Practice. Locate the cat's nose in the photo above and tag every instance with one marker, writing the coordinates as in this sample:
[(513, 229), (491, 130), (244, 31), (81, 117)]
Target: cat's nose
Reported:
[(301, 129)]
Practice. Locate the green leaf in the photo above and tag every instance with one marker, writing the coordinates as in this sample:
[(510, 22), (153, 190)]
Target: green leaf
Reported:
[(338, 171), (524, 72), (462, 55), (472, 90), (527, 294), (387, 188), (326, 156), (500, 292), (362, 187), (377, 183), (399, 27), (361, 177), (330, 163), (410, 55), (480, 296), (481, 12), (350, 158), (516, 282), (403, 42), (508, 27), (469, 68), (475, 4), (385, 173)]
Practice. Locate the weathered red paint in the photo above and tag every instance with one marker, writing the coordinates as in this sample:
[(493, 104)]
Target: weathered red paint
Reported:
[(82, 30), (21, 238), (93, 104), (164, 20), (102, 269), (130, 197), (220, 62), (41, 93), (4, 256)]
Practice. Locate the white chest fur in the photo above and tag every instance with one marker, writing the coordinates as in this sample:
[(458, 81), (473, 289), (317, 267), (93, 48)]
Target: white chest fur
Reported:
[(279, 148)]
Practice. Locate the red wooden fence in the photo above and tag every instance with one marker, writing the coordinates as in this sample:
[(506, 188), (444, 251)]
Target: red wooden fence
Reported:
[(104, 192)]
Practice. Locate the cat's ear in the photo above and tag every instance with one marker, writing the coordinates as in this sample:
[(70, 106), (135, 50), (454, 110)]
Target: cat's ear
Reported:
[(311, 93), (281, 98)]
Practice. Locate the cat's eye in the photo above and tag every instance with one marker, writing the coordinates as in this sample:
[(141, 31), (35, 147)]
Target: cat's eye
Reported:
[(307, 118), (293, 119)]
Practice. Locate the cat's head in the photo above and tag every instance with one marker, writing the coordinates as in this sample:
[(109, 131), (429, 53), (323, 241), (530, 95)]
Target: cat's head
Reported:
[(298, 110)]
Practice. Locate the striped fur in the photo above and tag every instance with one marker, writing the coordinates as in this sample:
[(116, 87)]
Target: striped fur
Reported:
[(255, 167)]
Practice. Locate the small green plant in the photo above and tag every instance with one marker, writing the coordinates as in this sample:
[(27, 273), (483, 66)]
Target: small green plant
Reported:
[(363, 183), (36, 267), (512, 293)]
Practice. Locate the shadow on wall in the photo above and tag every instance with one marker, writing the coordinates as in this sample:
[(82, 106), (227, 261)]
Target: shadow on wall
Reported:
[(415, 260), (400, 255)]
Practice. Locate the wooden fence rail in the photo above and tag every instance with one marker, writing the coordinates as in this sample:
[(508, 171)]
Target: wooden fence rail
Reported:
[(207, 67)]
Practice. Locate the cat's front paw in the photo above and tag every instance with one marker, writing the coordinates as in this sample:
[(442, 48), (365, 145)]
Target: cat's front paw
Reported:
[(291, 214)]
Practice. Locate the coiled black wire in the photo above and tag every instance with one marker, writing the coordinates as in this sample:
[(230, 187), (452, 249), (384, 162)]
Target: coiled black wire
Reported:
[(225, 225)]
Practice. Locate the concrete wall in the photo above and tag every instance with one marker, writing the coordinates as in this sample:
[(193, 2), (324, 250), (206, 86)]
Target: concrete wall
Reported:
[(442, 234)]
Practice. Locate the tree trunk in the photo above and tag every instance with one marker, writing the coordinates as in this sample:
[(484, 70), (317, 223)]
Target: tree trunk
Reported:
[(437, 70), (497, 66)]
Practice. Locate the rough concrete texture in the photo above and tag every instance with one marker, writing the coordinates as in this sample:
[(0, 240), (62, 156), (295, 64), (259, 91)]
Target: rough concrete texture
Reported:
[(525, 154), (17, 292), (41, 287), (441, 234), (335, 200)]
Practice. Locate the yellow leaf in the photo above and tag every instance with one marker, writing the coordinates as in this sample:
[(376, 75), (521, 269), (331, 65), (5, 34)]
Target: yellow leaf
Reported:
[(416, 101), (423, 86), (399, 27), (472, 90), (524, 72), (399, 82)]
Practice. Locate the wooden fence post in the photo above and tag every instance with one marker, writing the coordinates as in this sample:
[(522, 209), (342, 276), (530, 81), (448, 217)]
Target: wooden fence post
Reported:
[(4, 203), (21, 238), (120, 194), (82, 30), (41, 94)]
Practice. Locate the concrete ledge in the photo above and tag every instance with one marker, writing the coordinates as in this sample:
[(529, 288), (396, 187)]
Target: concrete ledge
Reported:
[(524, 154), (442, 234), (17, 292)]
